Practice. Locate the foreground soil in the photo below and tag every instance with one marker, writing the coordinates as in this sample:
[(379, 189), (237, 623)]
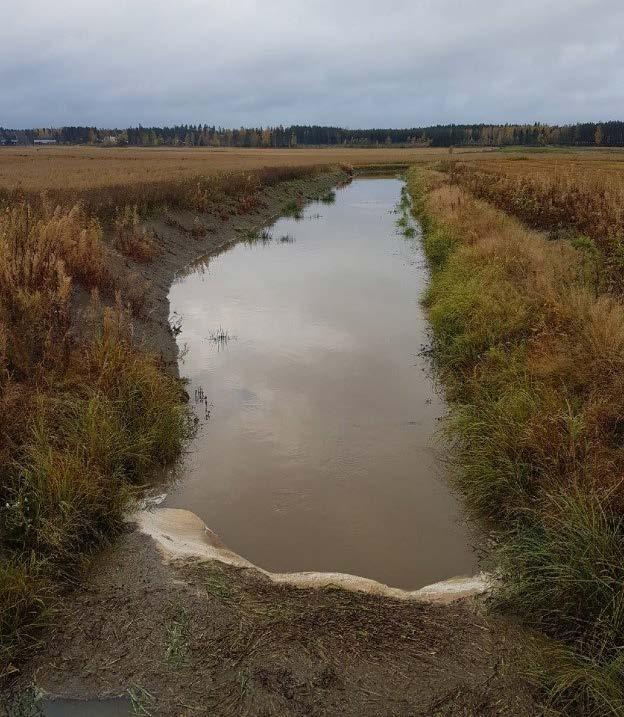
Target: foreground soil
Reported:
[(207, 638)]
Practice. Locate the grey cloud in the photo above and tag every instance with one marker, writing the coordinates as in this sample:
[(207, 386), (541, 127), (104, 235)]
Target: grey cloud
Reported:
[(356, 64)]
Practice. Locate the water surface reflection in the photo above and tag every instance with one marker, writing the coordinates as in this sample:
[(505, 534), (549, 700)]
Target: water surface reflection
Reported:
[(317, 448)]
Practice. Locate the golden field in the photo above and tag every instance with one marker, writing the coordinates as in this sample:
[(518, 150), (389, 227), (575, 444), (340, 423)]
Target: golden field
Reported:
[(84, 168), (79, 168)]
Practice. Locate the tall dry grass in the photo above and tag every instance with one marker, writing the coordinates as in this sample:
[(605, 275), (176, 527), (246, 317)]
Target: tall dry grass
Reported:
[(131, 239), (86, 417), (232, 192), (567, 199), (82, 425), (532, 355), (86, 169)]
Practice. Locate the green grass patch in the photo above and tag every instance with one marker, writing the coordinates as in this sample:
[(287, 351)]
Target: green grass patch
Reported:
[(292, 209)]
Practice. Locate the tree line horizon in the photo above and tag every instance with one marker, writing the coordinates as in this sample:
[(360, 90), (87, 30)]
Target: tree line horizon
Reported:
[(598, 134)]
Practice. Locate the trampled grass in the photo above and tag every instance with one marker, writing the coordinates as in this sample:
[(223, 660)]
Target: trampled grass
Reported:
[(532, 355)]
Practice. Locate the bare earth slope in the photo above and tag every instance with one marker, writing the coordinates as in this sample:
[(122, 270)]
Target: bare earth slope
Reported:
[(203, 637)]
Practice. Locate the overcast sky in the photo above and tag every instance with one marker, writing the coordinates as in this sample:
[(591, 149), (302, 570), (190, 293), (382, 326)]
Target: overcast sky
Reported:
[(353, 63)]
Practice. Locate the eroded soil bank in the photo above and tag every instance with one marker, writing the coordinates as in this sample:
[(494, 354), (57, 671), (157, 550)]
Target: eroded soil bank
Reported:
[(193, 636), (183, 237), (202, 637)]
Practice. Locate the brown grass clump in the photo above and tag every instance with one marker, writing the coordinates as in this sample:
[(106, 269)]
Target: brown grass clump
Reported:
[(563, 200), (131, 239), (35, 288), (80, 423)]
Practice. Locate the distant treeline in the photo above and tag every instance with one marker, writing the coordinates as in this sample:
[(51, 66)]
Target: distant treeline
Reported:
[(601, 134)]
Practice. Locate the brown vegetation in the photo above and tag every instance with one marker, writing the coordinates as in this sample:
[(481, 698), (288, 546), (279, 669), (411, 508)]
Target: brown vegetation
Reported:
[(531, 351), (81, 169), (75, 170), (81, 423), (86, 416), (131, 239), (151, 191), (530, 343), (577, 198)]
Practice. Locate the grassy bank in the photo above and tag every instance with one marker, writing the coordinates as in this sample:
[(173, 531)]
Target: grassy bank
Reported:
[(88, 417), (155, 192), (84, 424), (531, 352)]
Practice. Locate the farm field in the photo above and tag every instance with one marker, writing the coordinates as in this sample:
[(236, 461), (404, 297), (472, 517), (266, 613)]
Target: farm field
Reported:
[(76, 168), (91, 167)]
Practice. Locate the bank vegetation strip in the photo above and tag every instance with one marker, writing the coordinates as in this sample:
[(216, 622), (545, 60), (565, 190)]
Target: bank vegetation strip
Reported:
[(528, 336), (88, 416)]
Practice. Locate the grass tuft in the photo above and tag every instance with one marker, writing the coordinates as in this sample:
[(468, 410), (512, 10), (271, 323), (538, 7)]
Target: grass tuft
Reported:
[(132, 240)]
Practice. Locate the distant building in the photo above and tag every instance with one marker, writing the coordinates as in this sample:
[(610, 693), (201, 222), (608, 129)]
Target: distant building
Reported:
[(45, 141)]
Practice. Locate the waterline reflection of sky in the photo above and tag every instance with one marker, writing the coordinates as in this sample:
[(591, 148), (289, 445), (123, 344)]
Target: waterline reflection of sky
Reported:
[(320, 449)]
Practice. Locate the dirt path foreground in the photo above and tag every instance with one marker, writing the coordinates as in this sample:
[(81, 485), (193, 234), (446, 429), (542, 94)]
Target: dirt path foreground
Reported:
[(205, 638)]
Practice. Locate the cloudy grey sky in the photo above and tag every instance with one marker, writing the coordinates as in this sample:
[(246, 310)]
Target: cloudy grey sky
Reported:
[(354, 63)]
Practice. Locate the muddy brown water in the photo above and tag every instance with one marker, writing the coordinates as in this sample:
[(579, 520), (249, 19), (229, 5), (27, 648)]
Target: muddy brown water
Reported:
[(317, 447)]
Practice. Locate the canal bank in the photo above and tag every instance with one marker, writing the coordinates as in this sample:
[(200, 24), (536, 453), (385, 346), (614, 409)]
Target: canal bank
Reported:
[(189, 634)]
